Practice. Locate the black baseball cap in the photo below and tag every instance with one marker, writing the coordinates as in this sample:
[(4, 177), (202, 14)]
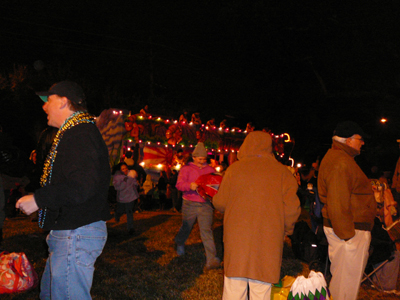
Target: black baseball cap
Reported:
[(347, 129), (68, 89)]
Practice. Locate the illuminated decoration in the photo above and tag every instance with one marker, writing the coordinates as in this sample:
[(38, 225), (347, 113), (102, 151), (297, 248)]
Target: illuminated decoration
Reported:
[(174, 134), (128, 129), (292, 161), (288, 137), (383, 120), (157, 155)]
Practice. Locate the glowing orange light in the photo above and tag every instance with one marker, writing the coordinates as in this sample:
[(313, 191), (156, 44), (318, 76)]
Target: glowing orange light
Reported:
[(383, 120), (292, 160), (288, 137)]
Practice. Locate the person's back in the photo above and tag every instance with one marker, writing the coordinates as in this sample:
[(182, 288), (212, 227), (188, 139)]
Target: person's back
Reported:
[(258, 198)]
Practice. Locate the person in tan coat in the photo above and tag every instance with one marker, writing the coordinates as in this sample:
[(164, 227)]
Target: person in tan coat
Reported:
[(349, 210), (258, 198)]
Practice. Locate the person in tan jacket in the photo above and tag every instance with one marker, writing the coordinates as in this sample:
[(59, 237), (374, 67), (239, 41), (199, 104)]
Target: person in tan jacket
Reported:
[(396, 180), (258, 198), (349, 210)]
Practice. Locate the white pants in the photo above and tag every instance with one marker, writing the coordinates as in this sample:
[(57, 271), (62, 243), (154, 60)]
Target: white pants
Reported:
[(236, 288), (348, 261)]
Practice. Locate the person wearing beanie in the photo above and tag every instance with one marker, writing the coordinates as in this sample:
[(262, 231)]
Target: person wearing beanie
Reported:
[(349, 210), (195, 207)]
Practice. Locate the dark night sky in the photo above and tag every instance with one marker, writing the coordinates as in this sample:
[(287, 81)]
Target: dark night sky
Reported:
[(292, 66)]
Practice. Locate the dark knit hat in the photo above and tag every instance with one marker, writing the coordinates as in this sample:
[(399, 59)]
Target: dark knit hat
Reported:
[(349, 128), (68, 89)]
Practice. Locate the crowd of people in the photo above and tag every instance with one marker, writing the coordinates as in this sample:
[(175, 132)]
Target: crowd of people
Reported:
[(66, 189)]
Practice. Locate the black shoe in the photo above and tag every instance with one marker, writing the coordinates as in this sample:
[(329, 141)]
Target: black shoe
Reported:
[(131, 231)]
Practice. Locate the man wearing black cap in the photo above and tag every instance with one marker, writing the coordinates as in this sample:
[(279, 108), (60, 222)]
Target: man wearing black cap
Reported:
[(349, 210), (72, 200)]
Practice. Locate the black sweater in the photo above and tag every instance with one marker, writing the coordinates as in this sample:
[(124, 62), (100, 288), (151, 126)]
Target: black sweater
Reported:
[(77, 193)]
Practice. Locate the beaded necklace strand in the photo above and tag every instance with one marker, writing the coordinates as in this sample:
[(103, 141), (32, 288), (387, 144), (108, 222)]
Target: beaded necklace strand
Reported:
[(76, 118)]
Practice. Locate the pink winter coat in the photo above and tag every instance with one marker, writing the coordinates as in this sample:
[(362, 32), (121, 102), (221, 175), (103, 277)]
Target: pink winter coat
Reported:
[(188, 174)]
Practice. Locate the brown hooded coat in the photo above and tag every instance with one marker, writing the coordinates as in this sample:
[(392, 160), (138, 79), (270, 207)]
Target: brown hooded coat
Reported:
[(258, 198)]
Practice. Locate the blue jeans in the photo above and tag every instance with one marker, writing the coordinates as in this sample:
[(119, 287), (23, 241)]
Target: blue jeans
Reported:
[(69, 268), (204, 214)]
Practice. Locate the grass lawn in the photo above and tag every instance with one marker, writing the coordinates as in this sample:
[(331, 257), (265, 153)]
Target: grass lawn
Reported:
[(145, 265)]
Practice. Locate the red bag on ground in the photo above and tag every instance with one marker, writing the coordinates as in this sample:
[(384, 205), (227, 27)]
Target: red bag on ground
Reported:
[(208, 185), (16, 273)]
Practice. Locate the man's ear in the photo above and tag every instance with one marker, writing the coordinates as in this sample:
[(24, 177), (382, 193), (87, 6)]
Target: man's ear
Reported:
[(64, 102)]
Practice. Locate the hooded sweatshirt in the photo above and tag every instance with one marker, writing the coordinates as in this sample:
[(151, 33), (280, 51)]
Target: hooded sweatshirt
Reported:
[(258, 198)]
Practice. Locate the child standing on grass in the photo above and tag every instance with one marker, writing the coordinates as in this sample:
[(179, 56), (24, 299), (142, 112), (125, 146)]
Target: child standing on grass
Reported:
[(125, 184)]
